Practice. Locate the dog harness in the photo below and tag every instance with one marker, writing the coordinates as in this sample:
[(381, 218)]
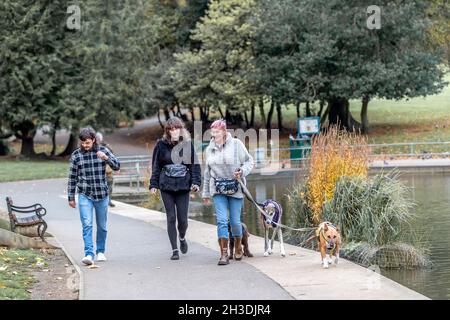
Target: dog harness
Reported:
[(276, 218)]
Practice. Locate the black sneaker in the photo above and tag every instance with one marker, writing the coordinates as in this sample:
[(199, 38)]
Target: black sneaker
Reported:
[(183, 246), (175, 255)]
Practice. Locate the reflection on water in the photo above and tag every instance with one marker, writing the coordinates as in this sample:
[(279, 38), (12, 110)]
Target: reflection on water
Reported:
[(432, 196), (430, 192)]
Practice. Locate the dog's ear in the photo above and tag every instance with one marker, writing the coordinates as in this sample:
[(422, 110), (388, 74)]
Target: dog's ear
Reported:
[(325, 227)]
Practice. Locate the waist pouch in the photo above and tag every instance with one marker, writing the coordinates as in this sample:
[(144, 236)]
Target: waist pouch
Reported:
[(175, 170), (175, 177), (226, 186)]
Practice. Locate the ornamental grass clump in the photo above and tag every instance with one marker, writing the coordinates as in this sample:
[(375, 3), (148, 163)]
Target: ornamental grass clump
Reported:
[(334, 154), (374, 214)]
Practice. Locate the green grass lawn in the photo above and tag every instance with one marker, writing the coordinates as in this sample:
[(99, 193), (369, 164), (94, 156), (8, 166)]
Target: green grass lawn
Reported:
[(15, 272), (14, 170), (419, 119)]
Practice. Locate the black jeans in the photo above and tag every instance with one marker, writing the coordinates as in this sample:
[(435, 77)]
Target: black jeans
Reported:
[(177, 205)]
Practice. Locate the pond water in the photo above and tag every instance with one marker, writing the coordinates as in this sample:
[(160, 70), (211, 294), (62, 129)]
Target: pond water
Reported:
[(430, 192)]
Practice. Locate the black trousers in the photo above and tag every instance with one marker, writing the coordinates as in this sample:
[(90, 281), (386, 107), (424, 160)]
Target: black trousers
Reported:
[(176, 205)]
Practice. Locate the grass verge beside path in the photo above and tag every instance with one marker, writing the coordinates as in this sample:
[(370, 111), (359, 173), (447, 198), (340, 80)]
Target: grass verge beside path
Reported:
[(16, 279), (15, 170)]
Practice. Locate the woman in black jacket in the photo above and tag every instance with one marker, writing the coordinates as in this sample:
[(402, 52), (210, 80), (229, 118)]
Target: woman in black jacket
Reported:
[(175, 171)]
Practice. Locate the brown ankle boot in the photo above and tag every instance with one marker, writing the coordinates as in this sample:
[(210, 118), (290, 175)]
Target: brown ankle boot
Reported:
[(238, 248), (223, 252), (247, 252)]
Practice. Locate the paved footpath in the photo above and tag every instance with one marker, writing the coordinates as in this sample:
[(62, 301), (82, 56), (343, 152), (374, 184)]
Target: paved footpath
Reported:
[(139, 267)]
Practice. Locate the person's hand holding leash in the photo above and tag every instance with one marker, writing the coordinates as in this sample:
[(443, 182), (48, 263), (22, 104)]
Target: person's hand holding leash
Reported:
[(72, 204), (102, 155), (195, 188)]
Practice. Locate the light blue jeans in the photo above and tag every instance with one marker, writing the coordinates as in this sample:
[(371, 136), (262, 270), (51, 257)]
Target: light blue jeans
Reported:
[(87, 206), (223, 204)]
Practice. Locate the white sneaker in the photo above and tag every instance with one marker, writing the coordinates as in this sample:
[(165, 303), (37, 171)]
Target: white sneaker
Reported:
[(87, 260), (101, 257)]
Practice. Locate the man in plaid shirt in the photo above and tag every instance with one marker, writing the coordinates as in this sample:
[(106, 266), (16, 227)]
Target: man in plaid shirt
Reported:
[(87, 175)]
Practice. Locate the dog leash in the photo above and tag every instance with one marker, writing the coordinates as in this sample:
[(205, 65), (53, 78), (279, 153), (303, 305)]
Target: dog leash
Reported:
[(249, 197)]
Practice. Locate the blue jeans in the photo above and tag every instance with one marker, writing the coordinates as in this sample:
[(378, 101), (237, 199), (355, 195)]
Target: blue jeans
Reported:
[(87, 206), (222, 204)]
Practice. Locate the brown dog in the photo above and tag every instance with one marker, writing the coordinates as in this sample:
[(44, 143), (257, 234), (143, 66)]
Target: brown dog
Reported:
[(245, 235), (329, 242)]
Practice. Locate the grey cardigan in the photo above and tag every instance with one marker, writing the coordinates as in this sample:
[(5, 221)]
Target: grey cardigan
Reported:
[(222, 161)]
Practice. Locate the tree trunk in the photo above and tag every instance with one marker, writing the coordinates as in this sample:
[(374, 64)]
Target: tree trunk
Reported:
[(269, 116), (261, 111), (340, 114), (308, 110), (159, 119), (325, 116), (52, 153), (192, 114), (166, 113), (53, 137), (247, 123), (279, 117), (319, 114), (203, 113), (227, 116), (221, 112), (364, 118), (252, 115), (297, 107), (27, 149), (71, 145), (3, 148), (26, 132)]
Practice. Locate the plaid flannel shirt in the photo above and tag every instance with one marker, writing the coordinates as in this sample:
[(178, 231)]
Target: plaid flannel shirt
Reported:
[(87, 173)]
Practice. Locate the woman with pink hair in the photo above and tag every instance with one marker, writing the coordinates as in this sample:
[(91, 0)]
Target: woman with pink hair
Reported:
[(226, 160)]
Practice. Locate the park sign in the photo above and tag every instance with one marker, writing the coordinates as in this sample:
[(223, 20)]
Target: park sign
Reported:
[(308, 126)]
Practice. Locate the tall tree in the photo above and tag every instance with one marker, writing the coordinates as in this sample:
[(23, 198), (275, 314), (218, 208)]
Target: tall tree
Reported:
[(32, 64), (177, 19), (439, 13), (323, 50), (218, 73), (110, 55)]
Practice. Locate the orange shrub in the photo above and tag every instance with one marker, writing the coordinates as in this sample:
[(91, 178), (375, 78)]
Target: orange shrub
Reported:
[(334, 154)]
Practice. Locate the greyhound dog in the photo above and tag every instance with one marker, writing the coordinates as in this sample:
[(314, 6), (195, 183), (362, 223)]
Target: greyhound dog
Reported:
[(271, 220)]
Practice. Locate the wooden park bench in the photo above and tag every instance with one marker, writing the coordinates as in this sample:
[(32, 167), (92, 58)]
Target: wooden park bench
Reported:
[(34, 218)]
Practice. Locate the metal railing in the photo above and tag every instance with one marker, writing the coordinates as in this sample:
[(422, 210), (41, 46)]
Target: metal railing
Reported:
[(133, 169)]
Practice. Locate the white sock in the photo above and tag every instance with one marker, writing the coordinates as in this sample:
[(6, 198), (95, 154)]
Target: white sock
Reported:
[(181, 239)]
